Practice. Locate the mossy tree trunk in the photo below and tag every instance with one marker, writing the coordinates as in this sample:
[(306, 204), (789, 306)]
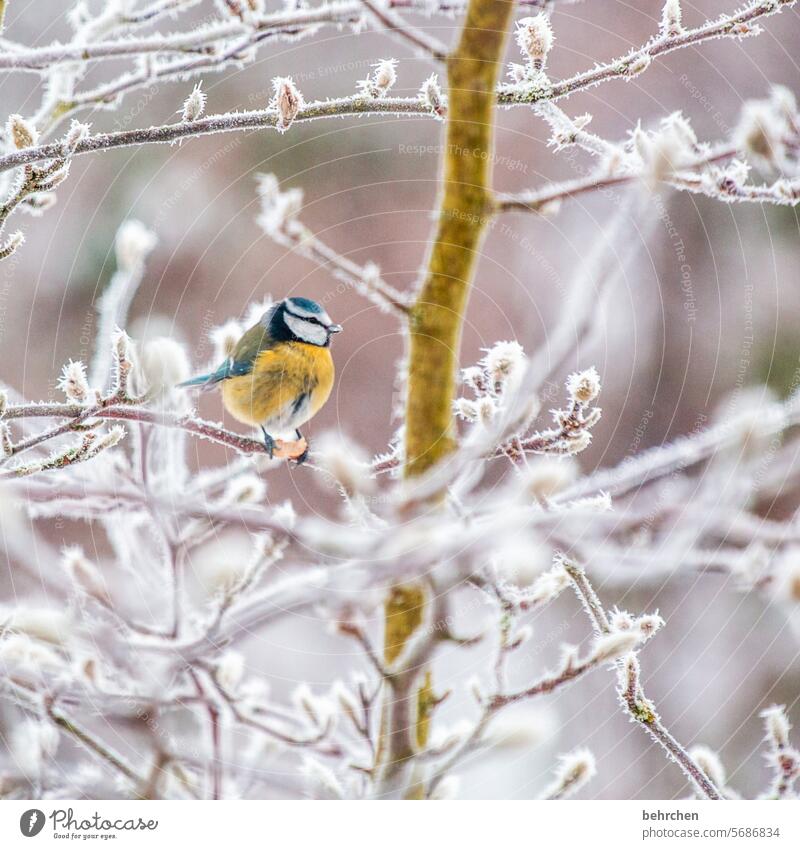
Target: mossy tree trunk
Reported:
[(436, 319)]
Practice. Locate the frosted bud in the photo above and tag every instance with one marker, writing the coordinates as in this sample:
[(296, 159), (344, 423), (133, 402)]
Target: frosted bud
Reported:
[(784, 101), (638, 65), (14, 241), (517, 72), (245, 489), (476, 688), (76, 133), (277, 207), (21, 132), (545, 477), (465, 409), (522, 728), (475, 378), (708, 760), (42, 623), (346, 462), (31, 744), (237, 8), (285, 514), (486, 408), (574, 770), (648, 624), (671, 18), (83, 573), (3, 402), (584, 386), (316, 708), (230, 670), (133, 243), (577, 443), (610, 647), (758, 131), (785, 586), (194, 105), (6, 443), (680, 126), (776, 725), (431, 95), (163, 363), (385, 75), (621, 620), (321, 780), (113, 436), (382, 78), (535, 38), (548, 585), (342, 694), (503, 360), (521, 636), (224, 339), (73, 382), (287, 101)]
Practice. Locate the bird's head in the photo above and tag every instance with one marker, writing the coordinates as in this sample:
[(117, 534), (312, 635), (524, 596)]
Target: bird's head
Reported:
[(301, 320)]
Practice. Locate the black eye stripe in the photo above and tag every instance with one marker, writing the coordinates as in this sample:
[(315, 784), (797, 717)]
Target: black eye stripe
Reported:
[(308, 318)]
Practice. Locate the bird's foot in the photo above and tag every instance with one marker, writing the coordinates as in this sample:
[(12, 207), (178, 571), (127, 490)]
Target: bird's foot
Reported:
[(301, 458), (269, 443)]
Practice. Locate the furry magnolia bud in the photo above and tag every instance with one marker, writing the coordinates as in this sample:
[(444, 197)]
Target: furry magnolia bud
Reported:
[(535, 38), (194, 105), (671, 18), (574, 770), (584, 386), (73, 382), (133, 243), (431, 95), (21, 133), (287, 101)]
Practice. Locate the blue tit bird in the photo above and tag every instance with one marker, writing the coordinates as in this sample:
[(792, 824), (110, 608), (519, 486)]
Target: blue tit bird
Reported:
[(280, 372)]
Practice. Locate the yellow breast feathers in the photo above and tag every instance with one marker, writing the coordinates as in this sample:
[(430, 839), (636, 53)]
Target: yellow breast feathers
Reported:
[(287, 386)]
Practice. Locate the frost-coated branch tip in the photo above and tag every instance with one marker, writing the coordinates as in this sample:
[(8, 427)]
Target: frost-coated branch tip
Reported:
[(575, 769)]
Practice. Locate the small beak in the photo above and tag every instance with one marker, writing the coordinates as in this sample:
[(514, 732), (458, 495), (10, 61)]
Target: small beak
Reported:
[(335, 328)]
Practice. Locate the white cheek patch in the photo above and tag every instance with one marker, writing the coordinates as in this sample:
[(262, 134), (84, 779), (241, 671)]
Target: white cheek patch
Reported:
[(306, 330)]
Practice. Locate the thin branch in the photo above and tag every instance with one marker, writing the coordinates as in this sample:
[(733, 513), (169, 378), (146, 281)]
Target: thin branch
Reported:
[(639, 708), (425, 44), (130, 412), (200, 40), (507, 95), (735, 25)]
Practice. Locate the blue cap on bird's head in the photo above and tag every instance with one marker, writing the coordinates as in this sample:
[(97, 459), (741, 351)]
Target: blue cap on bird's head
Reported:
[(302, 320)]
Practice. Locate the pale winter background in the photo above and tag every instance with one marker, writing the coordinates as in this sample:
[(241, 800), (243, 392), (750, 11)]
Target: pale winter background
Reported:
[(698, 319)]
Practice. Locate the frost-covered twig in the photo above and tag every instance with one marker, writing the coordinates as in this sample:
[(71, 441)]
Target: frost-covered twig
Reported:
[(782, 757), (640, 709), (736, 25), (278, 219), (508, 95), (511, 601), (200, 40), (425, 44), (33, 189), (136, 413)]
